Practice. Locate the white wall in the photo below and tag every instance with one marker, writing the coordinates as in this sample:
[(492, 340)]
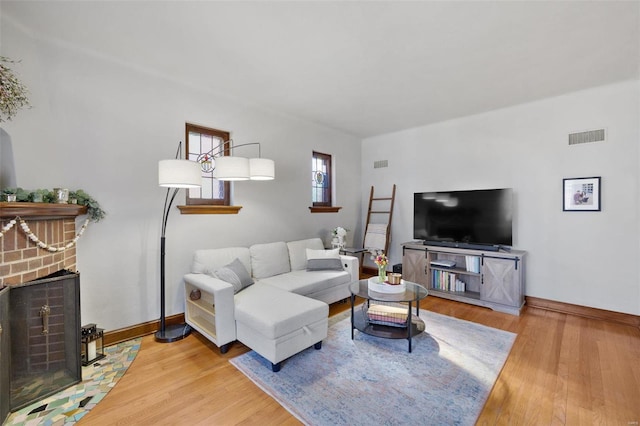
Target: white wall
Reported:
[(102, 126), (589, 259)]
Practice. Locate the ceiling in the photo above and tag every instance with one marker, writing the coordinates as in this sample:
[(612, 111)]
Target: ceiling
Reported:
[(365, 68)]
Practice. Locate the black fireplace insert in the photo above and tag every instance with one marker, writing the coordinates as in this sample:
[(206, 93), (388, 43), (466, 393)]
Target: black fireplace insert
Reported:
[(44, 337)]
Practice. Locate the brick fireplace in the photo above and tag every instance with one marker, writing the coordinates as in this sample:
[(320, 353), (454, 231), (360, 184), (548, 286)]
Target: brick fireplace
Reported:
[(40, 313)]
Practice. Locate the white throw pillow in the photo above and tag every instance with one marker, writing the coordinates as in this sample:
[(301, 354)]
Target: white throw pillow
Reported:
[(323, 254), (297, 253)]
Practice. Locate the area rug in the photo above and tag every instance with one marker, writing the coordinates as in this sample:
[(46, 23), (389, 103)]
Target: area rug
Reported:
[(70, 405), (446, 379)]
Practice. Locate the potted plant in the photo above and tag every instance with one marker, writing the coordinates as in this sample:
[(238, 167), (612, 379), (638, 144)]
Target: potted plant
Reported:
[(9, 194), (40, 196), (19, 194), (339, 233)]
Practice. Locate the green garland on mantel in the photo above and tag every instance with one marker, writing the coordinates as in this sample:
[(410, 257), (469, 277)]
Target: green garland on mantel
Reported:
[(94, 210)]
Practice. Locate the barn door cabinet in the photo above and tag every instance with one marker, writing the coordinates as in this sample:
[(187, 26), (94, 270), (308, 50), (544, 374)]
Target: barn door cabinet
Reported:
[(494, 279)]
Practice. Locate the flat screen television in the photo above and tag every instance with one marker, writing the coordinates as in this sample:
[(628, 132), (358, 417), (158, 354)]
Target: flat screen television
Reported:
[(464, 218)]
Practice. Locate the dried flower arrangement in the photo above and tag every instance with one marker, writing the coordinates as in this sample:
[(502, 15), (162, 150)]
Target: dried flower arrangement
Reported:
[(13, 94)]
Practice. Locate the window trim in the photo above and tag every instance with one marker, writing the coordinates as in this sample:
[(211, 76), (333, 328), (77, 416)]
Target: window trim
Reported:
[(329, 199), (224, 136), (324, 206), (209, 209), (324, 209)]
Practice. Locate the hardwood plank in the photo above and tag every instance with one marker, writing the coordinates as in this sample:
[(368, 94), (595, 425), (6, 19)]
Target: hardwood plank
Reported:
[(618, 383), (562, 369), (567, 357)]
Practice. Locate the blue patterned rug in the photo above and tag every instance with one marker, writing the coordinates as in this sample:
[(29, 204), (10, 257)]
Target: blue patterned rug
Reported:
[(444, 381)]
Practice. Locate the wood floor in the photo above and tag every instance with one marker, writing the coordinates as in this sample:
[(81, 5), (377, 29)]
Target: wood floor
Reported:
[(562, 369)]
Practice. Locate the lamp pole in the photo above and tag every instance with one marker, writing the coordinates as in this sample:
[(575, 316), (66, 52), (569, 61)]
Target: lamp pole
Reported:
[(173, 174), (176, 331)]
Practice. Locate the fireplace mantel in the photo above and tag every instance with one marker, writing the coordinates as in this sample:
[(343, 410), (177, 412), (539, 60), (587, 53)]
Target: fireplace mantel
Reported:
[(40, 210)]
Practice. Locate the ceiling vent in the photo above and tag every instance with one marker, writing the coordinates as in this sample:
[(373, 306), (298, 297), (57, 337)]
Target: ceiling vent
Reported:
[(380, 164), (588, 136)]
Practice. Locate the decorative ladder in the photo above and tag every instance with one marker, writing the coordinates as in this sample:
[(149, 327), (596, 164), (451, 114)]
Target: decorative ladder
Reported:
[(379, 207)]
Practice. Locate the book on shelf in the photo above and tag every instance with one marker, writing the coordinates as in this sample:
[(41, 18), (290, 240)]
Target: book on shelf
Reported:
[(473, 263), (447, 281)]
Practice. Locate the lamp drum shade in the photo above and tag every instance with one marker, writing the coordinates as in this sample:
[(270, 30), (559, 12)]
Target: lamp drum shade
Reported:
[(179, 174), (231, 168), (261, 169)]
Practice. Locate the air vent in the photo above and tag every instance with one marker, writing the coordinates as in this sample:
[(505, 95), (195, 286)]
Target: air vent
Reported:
[(588, 136), (380, 164)]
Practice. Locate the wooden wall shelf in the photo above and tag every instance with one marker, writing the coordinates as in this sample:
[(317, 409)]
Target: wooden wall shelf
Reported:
[(40, 210)]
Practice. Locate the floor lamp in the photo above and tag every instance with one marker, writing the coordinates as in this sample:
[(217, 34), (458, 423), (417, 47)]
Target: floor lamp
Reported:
[(173, 175)]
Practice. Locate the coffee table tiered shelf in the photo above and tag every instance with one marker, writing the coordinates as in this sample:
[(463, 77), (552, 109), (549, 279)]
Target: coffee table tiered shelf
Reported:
[(387, 314)]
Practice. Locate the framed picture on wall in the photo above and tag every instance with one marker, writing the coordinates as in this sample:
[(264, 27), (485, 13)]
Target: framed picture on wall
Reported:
[(581, 194)]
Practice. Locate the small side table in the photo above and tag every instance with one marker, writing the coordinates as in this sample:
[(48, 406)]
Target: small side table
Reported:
[(352, 251)]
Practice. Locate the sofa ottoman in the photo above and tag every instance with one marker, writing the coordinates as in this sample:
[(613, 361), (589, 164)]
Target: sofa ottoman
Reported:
[(278, 324)]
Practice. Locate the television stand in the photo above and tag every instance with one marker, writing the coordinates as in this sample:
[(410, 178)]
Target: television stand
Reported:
[(481, 276)]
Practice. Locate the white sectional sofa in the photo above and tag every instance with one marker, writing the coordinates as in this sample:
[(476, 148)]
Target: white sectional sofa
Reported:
[(284, 311)]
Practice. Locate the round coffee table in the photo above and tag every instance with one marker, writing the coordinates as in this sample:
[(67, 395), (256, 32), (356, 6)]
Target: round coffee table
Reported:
[(387, 315)]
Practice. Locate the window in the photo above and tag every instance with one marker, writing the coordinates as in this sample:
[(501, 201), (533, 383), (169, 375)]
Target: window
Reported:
[(321, 179), (321, 184), (214, 197), (200, 142)]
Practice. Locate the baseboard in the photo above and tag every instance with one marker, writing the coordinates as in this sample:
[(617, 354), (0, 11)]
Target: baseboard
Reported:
[(139, 330), (583, 311)]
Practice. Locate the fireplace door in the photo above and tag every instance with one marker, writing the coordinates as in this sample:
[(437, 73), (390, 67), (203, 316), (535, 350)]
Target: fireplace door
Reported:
[(45, 337)]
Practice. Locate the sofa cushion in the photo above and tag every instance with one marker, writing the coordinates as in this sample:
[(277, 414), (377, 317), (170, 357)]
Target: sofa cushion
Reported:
[(307, 282), (269, 259), (206, 261), (274, 313), (235, 274), (297, 251)]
